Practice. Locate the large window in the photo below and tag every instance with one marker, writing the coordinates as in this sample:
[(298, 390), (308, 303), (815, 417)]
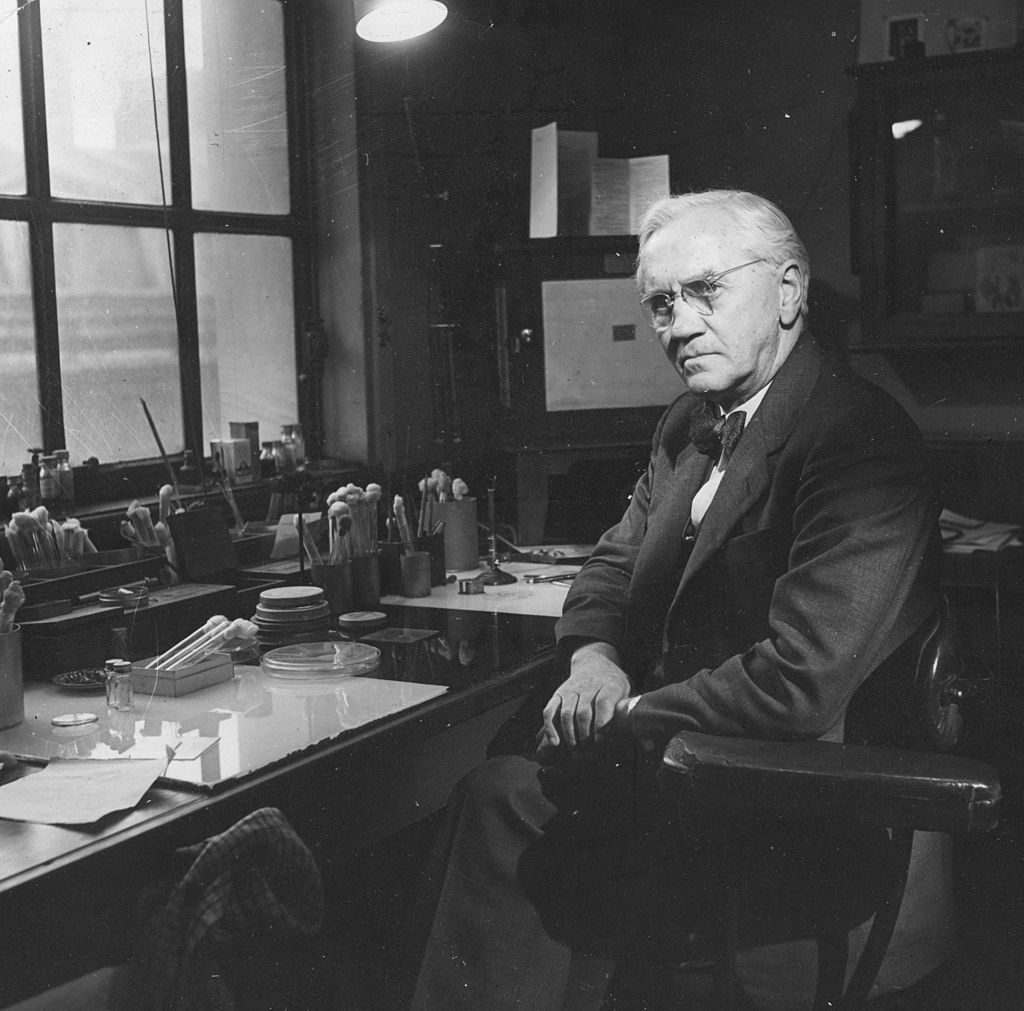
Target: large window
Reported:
[(152, 238)]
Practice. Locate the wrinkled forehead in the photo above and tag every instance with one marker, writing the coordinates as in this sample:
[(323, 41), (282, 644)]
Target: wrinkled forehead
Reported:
[(702, 241)]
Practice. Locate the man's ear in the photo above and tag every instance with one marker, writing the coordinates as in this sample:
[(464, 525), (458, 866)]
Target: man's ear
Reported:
[(792, 288)]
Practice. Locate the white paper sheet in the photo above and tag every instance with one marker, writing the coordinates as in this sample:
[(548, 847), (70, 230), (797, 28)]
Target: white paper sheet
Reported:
[(79, 791), (560, 170), (623, 188), (544, 182)]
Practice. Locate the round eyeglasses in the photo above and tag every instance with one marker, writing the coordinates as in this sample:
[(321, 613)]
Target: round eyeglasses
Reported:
[(699, 294)]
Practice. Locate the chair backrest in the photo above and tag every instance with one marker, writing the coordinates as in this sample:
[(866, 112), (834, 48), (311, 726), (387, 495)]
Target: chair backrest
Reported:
[(914, 698)]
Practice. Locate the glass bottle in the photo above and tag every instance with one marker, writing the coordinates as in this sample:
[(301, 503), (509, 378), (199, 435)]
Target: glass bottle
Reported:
[(119, 685), (49, 493), (188, 473), (65, 478), (268, 465), (283, 457), (29, 486), (12, 500), (291, 435)]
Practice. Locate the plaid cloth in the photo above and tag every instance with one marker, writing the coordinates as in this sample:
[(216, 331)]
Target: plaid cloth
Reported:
[(256, 879)]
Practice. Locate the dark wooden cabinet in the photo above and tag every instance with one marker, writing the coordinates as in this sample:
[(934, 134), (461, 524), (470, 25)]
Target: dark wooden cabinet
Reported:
[(937, 151)]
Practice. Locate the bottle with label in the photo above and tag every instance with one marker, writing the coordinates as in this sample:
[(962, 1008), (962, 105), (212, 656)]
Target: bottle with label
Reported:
[(65, 478), (119, 685), (49, 489)]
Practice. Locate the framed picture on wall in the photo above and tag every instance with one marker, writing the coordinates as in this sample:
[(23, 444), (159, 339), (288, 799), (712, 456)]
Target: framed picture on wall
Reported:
[(903, 35), (964, 35)]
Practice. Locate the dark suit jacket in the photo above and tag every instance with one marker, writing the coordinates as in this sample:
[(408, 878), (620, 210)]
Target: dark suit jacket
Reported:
[(818, 557)]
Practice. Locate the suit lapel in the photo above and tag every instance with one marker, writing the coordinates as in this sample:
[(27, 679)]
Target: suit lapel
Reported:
[(747, 475), (663, 540)]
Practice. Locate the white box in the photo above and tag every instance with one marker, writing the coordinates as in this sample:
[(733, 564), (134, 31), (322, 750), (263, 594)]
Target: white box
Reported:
[(233, 458), (211, 670)]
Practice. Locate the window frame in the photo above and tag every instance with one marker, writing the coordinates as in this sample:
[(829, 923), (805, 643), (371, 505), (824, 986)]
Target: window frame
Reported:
[(40, 210)]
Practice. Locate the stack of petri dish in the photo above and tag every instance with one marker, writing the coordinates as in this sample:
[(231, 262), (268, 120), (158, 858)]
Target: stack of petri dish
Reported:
[(321, 660), (292, 614)]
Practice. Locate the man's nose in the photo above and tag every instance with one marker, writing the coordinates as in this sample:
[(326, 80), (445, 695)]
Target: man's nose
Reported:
[(687, 323)]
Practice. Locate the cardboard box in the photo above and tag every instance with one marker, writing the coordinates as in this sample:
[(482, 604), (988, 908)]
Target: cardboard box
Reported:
[(233, 458), (211, 670), (247, 430)]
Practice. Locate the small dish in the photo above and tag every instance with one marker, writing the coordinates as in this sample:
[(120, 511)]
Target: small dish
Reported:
[(321, 659), (85, 679)]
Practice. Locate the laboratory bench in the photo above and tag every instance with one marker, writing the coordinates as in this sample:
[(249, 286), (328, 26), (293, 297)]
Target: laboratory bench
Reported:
[(350, 762)]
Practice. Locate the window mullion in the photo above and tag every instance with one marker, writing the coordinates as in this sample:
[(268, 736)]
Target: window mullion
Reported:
[(311, 345), (184, 248), (44, 287)]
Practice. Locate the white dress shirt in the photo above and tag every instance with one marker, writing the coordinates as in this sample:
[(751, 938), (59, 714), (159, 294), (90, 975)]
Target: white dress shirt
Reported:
[(702, 500)]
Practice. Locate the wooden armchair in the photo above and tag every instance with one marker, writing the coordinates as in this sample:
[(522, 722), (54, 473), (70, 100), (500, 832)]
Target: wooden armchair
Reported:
[(718, 781)]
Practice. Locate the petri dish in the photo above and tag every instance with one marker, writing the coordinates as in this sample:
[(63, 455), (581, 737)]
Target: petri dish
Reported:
[(318, 660)]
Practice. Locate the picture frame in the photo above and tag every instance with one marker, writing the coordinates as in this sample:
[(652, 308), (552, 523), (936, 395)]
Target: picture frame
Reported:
[(966, 35), (903, 35)]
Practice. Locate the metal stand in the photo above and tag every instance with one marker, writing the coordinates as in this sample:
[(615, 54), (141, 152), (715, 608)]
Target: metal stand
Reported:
[(492, 575)]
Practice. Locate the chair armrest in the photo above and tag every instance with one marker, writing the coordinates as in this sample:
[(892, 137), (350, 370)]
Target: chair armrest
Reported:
[(734, 777)]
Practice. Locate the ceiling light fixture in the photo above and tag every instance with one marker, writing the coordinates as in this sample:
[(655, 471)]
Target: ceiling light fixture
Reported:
[(397, 20)]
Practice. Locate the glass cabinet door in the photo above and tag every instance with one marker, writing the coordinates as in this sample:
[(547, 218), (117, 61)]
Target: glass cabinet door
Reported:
[(945, 248)]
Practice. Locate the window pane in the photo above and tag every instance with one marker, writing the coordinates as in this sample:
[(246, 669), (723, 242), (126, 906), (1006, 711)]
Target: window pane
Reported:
[(118, 341), (246, 332), (20, 418), (99, 98), (12, 139), (238, 131)]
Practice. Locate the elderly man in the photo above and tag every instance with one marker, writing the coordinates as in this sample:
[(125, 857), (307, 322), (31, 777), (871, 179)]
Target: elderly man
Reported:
[(781, 545)]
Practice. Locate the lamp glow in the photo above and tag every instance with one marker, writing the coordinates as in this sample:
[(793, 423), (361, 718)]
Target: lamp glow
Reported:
[(397, 20), (905, 126)]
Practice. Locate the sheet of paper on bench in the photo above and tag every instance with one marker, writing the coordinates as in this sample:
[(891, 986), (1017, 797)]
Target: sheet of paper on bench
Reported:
[(521, 597), (72, 791)]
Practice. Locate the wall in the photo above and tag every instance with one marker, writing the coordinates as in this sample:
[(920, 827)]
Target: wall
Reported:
[(332, 111), (1000, 20), (736, 92)]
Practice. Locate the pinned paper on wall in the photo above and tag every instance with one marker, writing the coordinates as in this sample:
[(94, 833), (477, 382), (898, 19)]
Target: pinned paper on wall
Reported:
[(560, 170), (574, 192), (623, 189)]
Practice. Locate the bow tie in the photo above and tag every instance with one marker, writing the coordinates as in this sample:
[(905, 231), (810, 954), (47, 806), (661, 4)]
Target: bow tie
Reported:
[(716, 436)]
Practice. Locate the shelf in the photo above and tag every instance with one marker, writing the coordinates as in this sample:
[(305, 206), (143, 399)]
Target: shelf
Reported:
[(1005, 201), (1008, 346), (953, 63), (955, 329)]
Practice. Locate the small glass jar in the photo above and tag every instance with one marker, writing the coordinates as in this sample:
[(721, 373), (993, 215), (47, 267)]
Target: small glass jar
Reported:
[(291, 436), (119, 685), (268, 465), (284, 458), (49, 490), (65, 478), (188, 473), (12, 501)]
